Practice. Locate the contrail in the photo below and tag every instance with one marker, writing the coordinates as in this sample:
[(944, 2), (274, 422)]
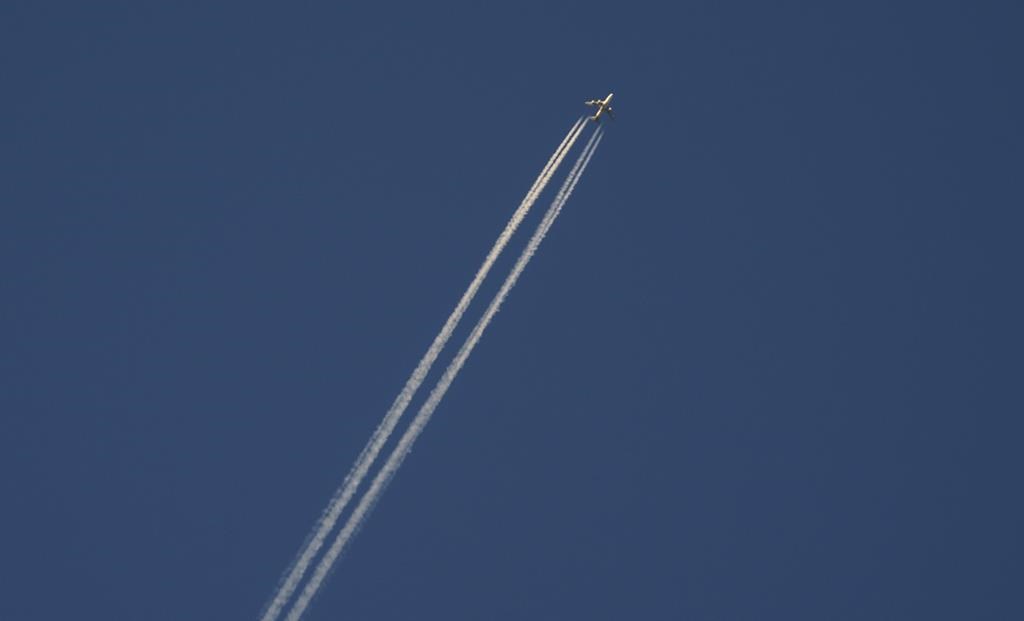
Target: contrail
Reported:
[(324, 526), (405, 443)]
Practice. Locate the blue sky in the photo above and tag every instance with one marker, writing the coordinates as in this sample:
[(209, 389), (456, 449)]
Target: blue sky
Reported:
[(766, 364)]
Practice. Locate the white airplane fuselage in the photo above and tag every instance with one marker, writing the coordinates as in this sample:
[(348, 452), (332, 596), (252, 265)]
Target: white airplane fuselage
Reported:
[(603, 105)]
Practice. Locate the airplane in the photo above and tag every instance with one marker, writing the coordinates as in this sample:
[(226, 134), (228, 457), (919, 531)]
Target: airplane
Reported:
[(602, 106)]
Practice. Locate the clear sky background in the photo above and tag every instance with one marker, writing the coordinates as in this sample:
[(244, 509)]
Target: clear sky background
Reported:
[(766, 366)]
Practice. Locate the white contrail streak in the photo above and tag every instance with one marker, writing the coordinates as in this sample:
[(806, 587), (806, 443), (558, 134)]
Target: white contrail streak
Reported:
[(348, 488), (405, 443)]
